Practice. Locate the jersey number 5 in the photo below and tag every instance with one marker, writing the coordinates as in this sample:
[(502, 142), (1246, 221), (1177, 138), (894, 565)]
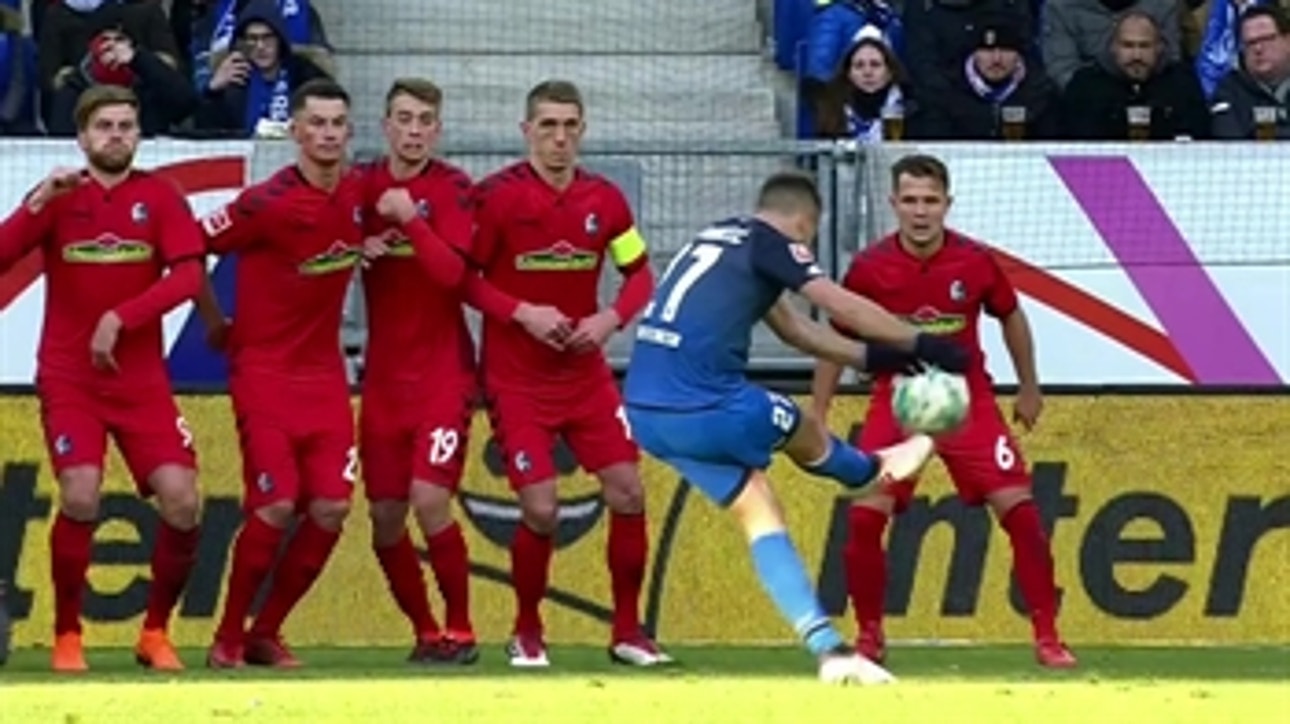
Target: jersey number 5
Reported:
[(697, 261)]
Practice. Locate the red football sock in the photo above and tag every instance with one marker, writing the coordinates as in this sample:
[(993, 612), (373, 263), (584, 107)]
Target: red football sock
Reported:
[(627, 553), (451, 565), (402, 569), (253, 554), (1032, 563), (866, 564), (69, 558), (173, 555), (530, 568), (306, 556)]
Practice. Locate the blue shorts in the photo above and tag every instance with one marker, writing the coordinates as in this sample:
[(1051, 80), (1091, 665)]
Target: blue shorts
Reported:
[(716, 448)]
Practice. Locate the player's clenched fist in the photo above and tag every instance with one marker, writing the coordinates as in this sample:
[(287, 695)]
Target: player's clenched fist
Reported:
[(592, 332), (397, 205), (58, 182), (941, 353)]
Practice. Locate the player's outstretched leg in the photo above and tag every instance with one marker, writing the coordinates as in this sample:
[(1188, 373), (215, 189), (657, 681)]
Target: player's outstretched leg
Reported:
[(253, 555), (784, 578), (173, 556), (302, 563), (402, 568), (818, 452), (450, 561), (627, 554), (1033, 567), (70, 540)]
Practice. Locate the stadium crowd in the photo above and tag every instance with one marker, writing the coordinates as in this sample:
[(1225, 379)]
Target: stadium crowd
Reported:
[(1086, 70), (202, 68)]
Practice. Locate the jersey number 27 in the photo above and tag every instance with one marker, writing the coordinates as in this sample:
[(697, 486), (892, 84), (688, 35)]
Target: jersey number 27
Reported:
[(685, 269)]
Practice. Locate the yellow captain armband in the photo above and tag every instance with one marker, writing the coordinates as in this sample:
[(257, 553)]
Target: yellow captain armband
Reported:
[(627, 247)]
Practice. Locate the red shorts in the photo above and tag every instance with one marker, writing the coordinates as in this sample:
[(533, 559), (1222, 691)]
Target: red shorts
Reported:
[(144, 422), (412, 431), (297, 440), (591, 420), (981, 457)]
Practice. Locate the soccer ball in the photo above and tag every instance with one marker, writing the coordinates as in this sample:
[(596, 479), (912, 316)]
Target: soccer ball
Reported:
[(931, 401)]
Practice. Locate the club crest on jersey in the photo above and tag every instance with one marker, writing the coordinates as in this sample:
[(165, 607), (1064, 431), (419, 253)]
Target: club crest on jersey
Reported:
[(264, 483), (934, 321), (107, 249), (591, 225), (958, 292), (358, 216), (340, 257), (423, 209), (139, 212), (562, 256), (63, 445)]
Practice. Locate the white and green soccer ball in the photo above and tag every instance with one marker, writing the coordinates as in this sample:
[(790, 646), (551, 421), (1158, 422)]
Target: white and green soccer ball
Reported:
[(931, 401)]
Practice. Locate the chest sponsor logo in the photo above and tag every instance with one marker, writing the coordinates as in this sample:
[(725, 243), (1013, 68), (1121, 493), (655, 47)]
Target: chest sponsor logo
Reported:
[(933, 321), (340, 257), (107, 249), (563, 256)]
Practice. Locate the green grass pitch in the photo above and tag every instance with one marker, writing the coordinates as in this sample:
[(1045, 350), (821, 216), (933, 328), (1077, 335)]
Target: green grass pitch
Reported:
[(994, 685)]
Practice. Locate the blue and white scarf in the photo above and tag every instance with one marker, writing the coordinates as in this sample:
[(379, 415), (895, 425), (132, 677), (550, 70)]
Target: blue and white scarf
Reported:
[(267, 99), (868, 131), (994, 94)]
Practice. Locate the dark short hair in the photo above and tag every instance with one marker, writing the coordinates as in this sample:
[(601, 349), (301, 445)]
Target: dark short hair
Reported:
[(563, 92), (98, 97), (321, 88), (789, 192), (422, 89), (1278, 16), (921, 165)]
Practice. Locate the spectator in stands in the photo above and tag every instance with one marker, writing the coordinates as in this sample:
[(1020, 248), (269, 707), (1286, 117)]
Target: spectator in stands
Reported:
[(214, 22), (992, 95), (115, 56), (1218, 52), (250, 89), (1262, 84), (868, 84), (1135, 74), (1078, 32), (18, 80), (939, 34), (833, 30)]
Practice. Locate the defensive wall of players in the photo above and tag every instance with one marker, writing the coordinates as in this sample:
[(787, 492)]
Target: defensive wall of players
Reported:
[(1170, 512)]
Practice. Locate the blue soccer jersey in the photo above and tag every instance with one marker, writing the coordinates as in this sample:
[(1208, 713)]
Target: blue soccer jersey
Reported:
[(692, 342)]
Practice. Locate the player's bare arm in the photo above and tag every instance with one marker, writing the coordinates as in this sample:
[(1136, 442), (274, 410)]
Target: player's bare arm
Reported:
[(810, 337), (1020, 342)]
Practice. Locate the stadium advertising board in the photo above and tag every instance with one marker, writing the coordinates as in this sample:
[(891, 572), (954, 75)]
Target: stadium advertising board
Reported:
[(1133, 270), (1157, 538)]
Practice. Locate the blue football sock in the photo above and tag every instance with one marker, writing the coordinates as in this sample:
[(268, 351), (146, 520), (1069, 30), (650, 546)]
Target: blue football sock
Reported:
[(784, 578), (845, 464)]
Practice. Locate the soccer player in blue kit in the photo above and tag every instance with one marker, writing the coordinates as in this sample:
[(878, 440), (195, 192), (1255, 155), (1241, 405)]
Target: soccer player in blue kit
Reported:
[(690, 405)]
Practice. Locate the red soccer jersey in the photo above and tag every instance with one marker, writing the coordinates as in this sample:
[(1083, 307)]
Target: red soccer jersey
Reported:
[(547, 247), (416, 330), (943, 294), (297, 246), (103, 249)]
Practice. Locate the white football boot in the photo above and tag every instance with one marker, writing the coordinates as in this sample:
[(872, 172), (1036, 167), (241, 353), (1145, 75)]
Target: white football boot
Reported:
[(844, 666)]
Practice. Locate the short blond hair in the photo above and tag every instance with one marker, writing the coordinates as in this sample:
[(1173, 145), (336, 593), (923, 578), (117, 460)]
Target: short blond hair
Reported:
[(422, 89), (98, 97)]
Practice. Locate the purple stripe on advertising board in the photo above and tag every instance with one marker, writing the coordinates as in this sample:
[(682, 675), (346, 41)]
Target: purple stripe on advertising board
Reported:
[(1160, 263)]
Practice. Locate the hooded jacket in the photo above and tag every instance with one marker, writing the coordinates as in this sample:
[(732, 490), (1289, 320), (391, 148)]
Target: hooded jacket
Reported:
[(225, 109)]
